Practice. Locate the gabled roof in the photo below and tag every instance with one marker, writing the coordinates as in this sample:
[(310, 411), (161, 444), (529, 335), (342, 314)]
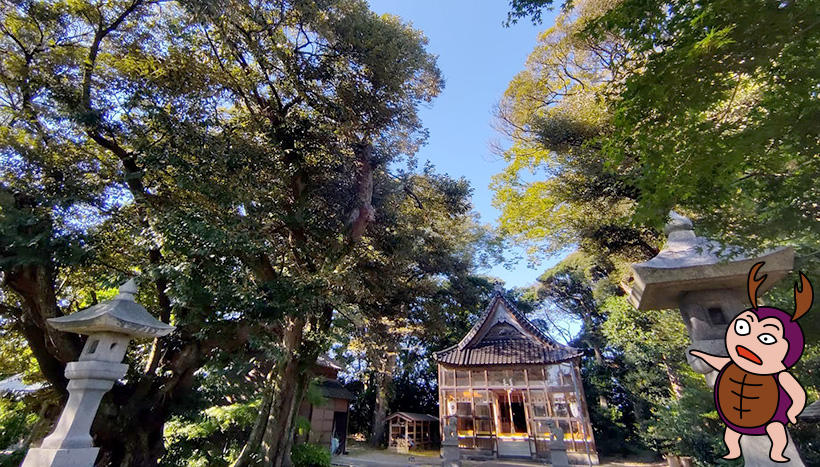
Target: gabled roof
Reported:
[(504, 336), (412, 417), (327, 362), (333, 389)]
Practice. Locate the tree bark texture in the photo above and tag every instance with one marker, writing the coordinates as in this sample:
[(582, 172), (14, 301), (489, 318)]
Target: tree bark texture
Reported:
[(384, 361)]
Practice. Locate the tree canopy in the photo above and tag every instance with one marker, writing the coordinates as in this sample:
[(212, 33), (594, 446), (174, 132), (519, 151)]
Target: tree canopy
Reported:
[(625, 110), (244, 159)]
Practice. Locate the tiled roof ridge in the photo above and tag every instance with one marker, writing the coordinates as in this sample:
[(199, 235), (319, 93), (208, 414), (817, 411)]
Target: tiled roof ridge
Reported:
[(464, 352), (518, 315)]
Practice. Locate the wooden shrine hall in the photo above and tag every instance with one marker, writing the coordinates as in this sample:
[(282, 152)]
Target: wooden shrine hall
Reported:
[(506, 383)]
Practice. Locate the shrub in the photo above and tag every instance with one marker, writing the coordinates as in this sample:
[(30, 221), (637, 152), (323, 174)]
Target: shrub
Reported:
[(310, 455)]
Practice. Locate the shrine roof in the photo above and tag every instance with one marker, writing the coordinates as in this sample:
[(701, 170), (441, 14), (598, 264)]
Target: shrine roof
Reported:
[(504, 336)]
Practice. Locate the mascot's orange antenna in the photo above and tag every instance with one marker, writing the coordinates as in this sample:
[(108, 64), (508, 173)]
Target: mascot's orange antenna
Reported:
[(754, 283), (803, 298)]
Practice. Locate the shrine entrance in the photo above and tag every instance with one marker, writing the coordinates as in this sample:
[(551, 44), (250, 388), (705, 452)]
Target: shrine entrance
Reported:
[(513, 436)]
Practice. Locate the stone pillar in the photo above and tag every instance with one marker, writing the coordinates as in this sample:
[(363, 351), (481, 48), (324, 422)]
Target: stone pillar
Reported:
[(451, 457), (558, 450)]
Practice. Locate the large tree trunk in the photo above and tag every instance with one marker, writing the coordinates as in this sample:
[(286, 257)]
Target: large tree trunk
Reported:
[(52, 349), (272, 434), (383, 358), (277, 440), (130, 423), (134, 441), (599, 360), (380, 409), (251, 448)]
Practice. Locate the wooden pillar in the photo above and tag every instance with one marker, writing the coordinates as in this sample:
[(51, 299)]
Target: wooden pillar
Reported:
[(528, 414), (582, 408), (441, 403), (509, 407), (546, 373)]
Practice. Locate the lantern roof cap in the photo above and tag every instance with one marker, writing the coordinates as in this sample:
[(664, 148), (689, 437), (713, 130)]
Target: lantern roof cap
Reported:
[(120, 315), (690, 263)]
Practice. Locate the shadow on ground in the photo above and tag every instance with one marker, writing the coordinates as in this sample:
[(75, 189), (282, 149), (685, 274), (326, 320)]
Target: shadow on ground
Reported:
[(367, 457)]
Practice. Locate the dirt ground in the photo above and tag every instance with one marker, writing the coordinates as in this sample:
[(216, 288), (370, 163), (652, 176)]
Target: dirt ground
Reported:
[(361, 456)]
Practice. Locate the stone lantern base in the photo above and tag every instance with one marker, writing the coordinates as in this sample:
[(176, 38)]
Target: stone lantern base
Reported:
[(41, 457), (756, 452)]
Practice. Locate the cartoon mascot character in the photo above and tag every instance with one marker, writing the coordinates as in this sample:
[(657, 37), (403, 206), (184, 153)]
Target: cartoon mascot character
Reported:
[(754, 392)]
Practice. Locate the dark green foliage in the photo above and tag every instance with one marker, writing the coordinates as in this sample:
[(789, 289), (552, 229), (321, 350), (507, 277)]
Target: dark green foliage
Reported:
[(415, 385), (688, 426), (527, 9), (310, 455), (721, 121), (807, 438), (16, 420), (628, 109), (614, 426), (250, 176), (360, 415), (13, 459)]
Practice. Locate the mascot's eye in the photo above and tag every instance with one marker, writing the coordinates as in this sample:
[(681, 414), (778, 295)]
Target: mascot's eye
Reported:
[(742, 327), (767, 338)]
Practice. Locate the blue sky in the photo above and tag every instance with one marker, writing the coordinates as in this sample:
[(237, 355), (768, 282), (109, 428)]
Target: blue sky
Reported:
[(478, 57)]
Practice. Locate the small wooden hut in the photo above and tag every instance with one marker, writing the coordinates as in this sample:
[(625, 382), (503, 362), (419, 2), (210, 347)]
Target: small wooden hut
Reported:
[(411, 430), (505, 383), (328, 420)]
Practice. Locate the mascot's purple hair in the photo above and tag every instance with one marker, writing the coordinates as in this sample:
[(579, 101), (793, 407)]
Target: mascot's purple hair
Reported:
[(803, 298)]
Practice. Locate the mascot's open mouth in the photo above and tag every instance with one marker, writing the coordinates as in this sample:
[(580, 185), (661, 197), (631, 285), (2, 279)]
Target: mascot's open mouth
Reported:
[(748, 354)]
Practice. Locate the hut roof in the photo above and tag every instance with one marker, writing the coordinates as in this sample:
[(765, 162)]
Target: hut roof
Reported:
[(413, 417), (504, 336), (15, 385), (333, 389), (327, 362)]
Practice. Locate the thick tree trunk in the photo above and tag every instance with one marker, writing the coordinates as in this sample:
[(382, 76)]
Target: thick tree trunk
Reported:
[(364, 213), (286, 394), (383, 358), (277, 440), (599, 359), (52, 349), (134, 441), (380, 410), (130, 423), (251, 448)]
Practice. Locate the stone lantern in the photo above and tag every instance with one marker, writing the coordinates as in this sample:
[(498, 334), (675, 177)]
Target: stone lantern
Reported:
[(110, 326), (707, 282)]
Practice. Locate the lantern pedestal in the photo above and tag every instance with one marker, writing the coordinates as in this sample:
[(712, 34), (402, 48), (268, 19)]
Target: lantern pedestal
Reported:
[(39, 457), (756, 452), (449, 445), (70, 443), (558, 450)]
